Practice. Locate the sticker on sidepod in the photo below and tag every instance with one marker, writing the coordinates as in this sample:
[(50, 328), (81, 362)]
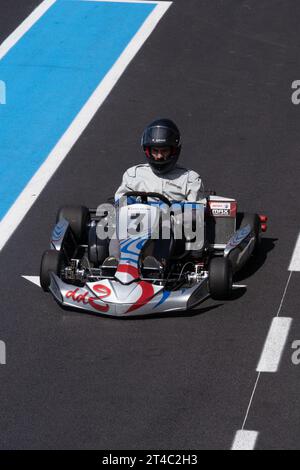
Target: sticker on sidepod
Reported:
[(221, 212), (240, 235), (59, 230), (223, 209), (219, 205)]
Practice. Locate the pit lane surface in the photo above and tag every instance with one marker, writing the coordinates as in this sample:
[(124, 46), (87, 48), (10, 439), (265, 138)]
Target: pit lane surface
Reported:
[(223, 71)]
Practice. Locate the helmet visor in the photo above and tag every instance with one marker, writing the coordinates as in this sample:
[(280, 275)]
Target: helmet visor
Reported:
[(161, 153)]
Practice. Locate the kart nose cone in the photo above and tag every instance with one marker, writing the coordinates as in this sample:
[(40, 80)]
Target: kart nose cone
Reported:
[(120, 294)]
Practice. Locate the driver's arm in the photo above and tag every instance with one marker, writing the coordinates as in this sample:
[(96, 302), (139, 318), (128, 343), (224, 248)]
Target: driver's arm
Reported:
[(127, 184), (195, 188)]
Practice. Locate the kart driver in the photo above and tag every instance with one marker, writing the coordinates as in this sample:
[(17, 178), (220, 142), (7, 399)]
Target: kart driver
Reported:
[(161, 142)]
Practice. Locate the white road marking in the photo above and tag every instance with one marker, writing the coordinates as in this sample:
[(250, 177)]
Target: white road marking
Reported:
[(14, 37), (245, 440), (251, 400), (34, 279), (239, 286), (284, 294), (26, 199), (295, 261), (273, 348), (274, 345), (2, 352)]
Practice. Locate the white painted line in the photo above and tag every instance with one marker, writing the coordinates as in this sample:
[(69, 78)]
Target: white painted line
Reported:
[(34, 279), (250, 402), (284, 294), (295, 261), (245, 440), (274, 345), (272, 353), (2, 353), (24, 202), (14, 37), (239, 286)]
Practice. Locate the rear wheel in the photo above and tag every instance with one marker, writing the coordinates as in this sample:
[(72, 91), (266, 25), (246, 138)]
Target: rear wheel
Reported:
[(220, 278), (52, 260), (78, 218)]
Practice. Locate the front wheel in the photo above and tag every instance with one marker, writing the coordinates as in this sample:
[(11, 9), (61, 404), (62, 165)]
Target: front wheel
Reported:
[(220, 278), (52, 260)]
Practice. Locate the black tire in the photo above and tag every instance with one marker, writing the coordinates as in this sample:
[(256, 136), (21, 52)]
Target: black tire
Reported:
[(246, 218), (98, 249), (78, 218), (220, 278), (52, 260)]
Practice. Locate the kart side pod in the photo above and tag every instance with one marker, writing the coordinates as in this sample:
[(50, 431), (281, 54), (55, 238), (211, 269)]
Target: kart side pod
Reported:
[(60, 232), (240, 247)]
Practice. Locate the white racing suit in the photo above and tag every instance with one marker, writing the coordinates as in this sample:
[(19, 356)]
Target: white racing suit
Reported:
[(179, 184)]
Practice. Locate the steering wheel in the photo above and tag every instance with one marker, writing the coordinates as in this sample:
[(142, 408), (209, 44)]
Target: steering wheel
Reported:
[(144, 196)]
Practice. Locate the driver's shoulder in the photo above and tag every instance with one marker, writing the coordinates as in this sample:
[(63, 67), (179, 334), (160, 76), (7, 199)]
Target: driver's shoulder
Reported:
[(135, 170), (190, 175)]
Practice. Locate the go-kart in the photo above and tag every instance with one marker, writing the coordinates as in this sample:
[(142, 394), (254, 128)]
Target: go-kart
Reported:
[(146, 279)]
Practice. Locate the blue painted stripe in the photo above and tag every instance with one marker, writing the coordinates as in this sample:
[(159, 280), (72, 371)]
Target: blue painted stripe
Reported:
[(50, 74), (165, 295)]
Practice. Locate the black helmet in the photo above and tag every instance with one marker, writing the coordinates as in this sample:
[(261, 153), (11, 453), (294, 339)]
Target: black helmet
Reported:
[(162, 133)]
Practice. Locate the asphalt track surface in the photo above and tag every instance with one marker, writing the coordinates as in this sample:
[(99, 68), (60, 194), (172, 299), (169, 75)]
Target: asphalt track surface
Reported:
[(223, 70)]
